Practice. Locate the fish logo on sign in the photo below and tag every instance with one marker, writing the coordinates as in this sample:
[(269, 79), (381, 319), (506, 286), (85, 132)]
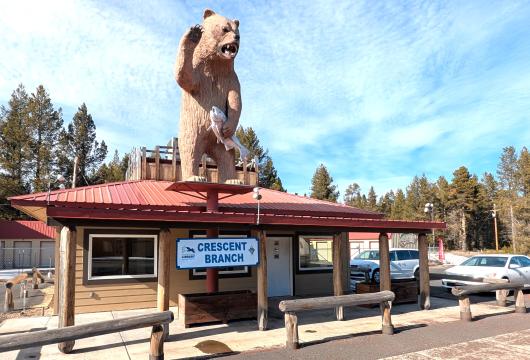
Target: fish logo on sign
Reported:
[(188, 253), (251, 250)]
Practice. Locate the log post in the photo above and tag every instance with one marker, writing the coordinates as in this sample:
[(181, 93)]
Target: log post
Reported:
[(67, 284), (35, 280), (157, 162), (386, 327), (425, 289), (345, 254), (164, 253), (156, 349), (384, 263), (143, 172), (520, 306), (291, 328), (337, 273), (56, 271), (465, 309), (500, 295), (9, 305), (174, 160), (263, 299)]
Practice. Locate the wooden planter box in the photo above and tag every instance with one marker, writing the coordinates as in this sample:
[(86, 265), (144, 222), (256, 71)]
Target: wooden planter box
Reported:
[(406, 291), (221, 306)]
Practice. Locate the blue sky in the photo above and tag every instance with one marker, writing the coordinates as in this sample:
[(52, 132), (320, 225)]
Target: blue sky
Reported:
[(378, 91)]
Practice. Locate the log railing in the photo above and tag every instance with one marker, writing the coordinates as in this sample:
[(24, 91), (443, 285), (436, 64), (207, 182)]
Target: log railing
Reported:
[(291, 307), (9, 304), (463, 292), (70, 333)]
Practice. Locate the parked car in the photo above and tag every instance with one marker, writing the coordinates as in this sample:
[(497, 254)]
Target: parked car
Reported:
[(515, 268), (404, 264)]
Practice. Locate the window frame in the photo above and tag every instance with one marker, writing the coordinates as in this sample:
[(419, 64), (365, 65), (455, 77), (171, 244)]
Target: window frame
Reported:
[(299, 269), (113, 278)]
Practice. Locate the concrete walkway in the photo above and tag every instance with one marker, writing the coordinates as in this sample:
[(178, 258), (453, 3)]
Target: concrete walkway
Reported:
[(234, 337)]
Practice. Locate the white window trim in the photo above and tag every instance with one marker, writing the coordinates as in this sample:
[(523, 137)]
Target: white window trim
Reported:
[(196, 272), (326, 237), (89, 258)]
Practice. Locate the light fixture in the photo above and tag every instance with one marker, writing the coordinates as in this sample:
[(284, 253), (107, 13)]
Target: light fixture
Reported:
[(256, 196)]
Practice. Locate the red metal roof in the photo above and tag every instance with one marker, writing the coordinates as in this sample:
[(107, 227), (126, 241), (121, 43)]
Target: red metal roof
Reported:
[(25, 229), (151, 200), (154, 195)]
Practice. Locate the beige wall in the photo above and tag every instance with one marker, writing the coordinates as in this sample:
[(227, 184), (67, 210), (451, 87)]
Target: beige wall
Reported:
[(314, 284), (137, 295)]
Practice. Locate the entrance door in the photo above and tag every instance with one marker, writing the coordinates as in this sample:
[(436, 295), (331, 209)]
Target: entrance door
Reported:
[(279, 269)]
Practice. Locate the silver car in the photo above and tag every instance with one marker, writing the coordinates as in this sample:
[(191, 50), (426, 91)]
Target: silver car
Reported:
[(404, 264), (514, 268)]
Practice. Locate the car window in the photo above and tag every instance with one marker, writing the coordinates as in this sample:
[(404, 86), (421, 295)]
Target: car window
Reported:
[(414, 254), (515, 261), (393, 255), (403, 255), (363, 255), (524, 261), (374, 255), (493, 261)]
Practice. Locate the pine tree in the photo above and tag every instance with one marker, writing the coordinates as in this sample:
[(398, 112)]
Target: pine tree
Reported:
[(397, 211), (372, 199), (14, 143), (79, 140), (322, 187), (268, 175), (386, 202), (113, 171), (352, 195), (44, 126)]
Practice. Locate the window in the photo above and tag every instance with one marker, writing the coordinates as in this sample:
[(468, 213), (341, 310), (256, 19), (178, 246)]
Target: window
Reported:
[(414, 254), (315, 252), (525, 262), (224, 272), (492, 261), (403, 255), (118, 256)]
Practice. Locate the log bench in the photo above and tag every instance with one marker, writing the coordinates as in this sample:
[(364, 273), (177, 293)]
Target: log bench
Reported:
[(291, 307), (463, 292), (69, 333)]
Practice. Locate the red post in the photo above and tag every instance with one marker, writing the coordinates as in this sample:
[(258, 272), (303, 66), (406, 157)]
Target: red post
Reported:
[(212, 275), (441, 253)]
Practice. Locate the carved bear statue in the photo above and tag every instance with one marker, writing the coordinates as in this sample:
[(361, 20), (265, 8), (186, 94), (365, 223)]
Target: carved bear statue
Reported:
[(205, 72)]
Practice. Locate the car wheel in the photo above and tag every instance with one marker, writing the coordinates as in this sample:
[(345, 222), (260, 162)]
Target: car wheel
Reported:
[(417, 274), (376, 276)]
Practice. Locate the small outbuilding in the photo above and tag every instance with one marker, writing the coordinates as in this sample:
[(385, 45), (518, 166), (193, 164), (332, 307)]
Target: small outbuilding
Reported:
[(116, 243)]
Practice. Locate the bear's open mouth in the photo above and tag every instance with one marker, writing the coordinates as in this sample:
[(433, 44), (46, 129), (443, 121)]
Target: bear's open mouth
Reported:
[(229, 50)]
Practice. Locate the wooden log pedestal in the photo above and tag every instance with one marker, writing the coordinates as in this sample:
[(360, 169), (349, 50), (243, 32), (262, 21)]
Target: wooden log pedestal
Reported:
[(406, 290), (221, 306)]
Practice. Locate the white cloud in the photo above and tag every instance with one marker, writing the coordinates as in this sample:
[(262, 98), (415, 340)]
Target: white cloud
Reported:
[(378, 91)]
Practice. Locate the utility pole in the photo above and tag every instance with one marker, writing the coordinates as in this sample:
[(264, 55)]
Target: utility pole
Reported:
[(494, 215), (513, 227)]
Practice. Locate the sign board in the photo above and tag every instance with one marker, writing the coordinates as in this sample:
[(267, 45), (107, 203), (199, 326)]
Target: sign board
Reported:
[(213, 253)]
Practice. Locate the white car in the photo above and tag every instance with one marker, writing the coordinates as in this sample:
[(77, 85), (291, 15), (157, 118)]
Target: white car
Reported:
[(515, 268), (404, 264)]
